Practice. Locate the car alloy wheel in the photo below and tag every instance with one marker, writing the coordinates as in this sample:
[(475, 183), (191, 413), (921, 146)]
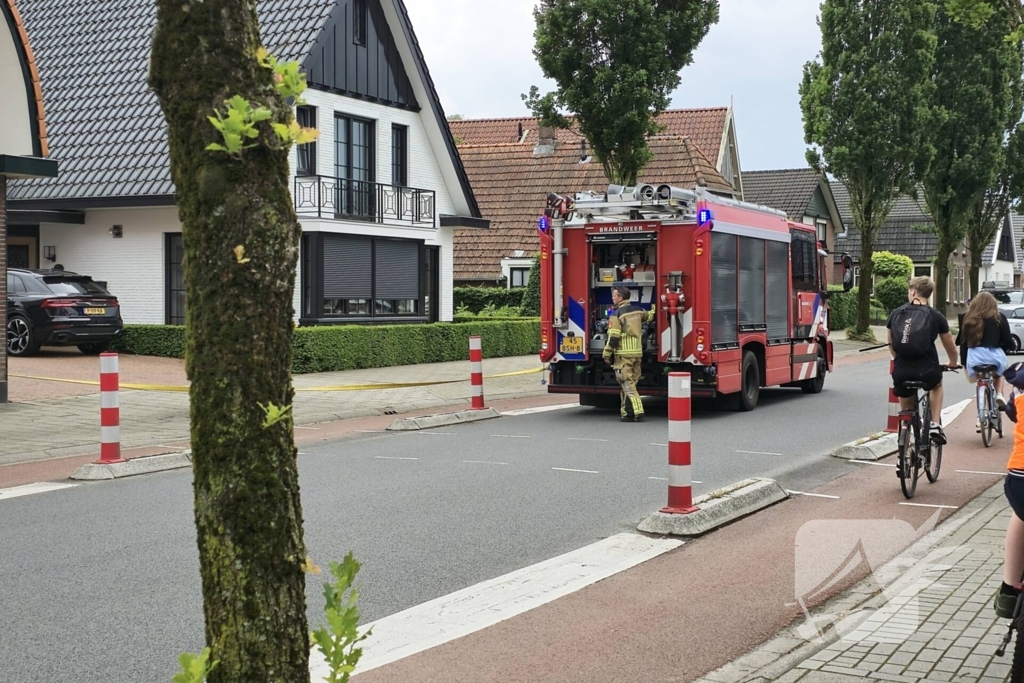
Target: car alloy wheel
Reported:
[(19, 336)]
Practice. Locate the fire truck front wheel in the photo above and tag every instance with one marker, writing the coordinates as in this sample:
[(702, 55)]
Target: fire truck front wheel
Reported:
[(817, 383), (750, 390)]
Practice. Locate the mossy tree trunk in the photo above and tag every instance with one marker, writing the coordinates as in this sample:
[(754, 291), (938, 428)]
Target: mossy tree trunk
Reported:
[(238, 340)]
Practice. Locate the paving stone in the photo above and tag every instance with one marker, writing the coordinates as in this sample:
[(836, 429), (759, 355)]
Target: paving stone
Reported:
[(929, 656), (920, 667), (901, 658), (950, 665)]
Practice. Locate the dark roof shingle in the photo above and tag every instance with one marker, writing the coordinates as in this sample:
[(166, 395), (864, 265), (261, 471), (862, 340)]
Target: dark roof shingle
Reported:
[(105, 126), (511, 183), (788, 190), (904, 231)]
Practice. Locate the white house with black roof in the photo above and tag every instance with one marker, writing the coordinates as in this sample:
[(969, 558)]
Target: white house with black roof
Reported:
[(999, 260), (379, 195)]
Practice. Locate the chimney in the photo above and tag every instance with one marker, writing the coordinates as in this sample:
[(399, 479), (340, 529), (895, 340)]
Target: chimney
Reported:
[(520, 138), (583, 150), (546, 142)]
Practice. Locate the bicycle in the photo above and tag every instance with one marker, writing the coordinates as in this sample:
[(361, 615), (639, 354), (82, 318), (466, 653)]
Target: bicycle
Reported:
[(1016, 625), (990, 417), (921, 451)]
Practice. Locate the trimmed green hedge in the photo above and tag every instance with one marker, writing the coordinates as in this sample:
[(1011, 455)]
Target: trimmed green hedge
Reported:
[(151, 340), (843, 309), (476, 299), (351, 347)]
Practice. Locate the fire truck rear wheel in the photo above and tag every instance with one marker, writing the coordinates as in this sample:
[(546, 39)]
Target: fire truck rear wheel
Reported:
[(750, 390), (815, 385)]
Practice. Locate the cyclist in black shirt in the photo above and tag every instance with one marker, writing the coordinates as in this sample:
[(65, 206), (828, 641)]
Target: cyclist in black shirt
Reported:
[(923, 368)]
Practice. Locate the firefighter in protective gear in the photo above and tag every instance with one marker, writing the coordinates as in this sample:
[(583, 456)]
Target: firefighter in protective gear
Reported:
[(624, 350)]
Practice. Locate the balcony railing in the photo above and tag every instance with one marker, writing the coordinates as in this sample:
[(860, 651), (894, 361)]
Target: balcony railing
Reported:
[(340, 198)]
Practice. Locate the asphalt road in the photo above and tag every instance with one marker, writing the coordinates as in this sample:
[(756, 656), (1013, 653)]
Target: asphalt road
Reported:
[(100, 582)]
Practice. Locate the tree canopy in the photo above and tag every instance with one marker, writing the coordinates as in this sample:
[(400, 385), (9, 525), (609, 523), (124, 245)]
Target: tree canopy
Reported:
[(615, 64), (865, 105)]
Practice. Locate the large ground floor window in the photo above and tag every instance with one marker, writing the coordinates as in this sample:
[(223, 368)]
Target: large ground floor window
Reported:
[(353, 278), (174, 279)]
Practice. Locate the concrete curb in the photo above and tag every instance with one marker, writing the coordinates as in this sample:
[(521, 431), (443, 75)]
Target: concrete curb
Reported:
[(874, 447), (136, 466), (717, 508), (442, 420)]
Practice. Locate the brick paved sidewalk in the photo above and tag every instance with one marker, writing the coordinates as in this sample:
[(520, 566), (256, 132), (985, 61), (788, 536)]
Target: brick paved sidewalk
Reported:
[(69, 426), (926, 616)]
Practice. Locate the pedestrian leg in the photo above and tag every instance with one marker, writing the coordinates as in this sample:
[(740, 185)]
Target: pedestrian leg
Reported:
[(631, 375)]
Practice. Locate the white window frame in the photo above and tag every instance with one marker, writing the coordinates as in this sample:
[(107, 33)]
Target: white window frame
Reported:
[(512, 276), (508, 263), (822, 225)]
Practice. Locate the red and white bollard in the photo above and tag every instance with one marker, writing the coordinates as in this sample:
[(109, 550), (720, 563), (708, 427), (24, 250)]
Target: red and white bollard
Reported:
[(110, 411), (476, 369), (892, 426), (680, 483)]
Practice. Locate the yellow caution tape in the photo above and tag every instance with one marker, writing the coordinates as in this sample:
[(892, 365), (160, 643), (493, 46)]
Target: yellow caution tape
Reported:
[(343, 387)]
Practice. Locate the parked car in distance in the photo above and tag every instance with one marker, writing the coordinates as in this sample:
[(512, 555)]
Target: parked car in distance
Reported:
[(1015, 316), (59, 308), (1009, 298)]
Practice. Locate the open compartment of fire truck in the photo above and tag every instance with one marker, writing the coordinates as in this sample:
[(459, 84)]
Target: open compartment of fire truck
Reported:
[(627, 261)]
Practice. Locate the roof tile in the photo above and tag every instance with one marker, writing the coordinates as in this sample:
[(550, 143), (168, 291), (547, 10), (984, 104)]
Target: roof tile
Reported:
[(93, 64)]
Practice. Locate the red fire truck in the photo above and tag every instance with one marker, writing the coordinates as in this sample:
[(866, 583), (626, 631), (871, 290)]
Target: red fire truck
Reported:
[(739, 292)]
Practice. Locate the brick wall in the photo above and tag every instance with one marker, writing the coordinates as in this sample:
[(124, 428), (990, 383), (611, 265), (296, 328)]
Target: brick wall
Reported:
[(3, 287)]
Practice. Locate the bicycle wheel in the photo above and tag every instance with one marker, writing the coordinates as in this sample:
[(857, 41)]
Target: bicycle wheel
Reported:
[(1017, 668), (908, 464), (986, 403), (999, 421), (934, 462)]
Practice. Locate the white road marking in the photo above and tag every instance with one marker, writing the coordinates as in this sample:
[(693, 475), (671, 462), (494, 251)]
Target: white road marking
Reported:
[(30, 489), (539, 409), (658, 478), (370, 431), (511, 436), (565, 469), (392, 457), (925, 505), (994, 474), (871, 462), (315, 429), (663, 445), (812, 495), (483, 462), (576, 439), (759, 453), (422, 431), (952, 412), (478, 607)]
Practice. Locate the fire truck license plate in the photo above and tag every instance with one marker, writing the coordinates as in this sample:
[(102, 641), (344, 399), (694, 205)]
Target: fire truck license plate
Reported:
[(571, 345)]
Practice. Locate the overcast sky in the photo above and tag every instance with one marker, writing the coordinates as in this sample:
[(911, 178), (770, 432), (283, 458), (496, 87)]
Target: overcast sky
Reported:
[(480, 56)]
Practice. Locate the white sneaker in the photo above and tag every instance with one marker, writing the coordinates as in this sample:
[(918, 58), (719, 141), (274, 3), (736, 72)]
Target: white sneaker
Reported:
[(1001, 401), (977, 426)]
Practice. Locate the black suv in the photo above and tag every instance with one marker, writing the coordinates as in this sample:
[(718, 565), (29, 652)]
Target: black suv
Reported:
[(59, 308)]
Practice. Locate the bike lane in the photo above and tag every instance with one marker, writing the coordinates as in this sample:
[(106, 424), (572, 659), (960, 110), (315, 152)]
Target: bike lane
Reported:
[(695, 609)]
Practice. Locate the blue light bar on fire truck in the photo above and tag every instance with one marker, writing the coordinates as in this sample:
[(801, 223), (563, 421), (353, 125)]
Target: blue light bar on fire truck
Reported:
[(705, 216), (543, 224)]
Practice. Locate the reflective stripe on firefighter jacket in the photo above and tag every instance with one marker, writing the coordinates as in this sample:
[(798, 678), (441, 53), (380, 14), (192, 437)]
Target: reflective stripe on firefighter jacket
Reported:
[(625, 327)]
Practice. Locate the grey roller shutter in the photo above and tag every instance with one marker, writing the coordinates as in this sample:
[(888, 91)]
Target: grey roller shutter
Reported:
[(723, 289), (751, 281), (778, 290), (397, 269), (348, 260)]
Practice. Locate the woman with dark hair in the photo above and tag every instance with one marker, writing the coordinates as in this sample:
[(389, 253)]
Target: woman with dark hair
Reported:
[(984, 339)]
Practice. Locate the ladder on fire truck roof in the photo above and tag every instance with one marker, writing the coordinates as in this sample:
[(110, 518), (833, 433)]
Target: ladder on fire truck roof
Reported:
[(651, 202)]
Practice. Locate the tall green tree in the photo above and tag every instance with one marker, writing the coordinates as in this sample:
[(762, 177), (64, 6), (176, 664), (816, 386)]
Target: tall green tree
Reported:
[(974, 75), (241, 241), (979, 12), (865, 108), (615, 65)]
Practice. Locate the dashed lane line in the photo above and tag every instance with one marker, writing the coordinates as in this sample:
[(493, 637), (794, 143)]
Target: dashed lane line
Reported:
[(566, 469), (759, 453), (539, 409), (926, 505), (511, 436), (392, 457), (478, 607), (483, 462), (812, 495), (994, 474), (31, 489)]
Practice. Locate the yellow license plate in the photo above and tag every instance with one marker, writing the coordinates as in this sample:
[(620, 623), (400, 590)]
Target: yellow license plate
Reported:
[(571, 345), (95, 311)]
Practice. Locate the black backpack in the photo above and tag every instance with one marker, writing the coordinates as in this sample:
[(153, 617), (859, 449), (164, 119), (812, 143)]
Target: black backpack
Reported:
[(912, 331)]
